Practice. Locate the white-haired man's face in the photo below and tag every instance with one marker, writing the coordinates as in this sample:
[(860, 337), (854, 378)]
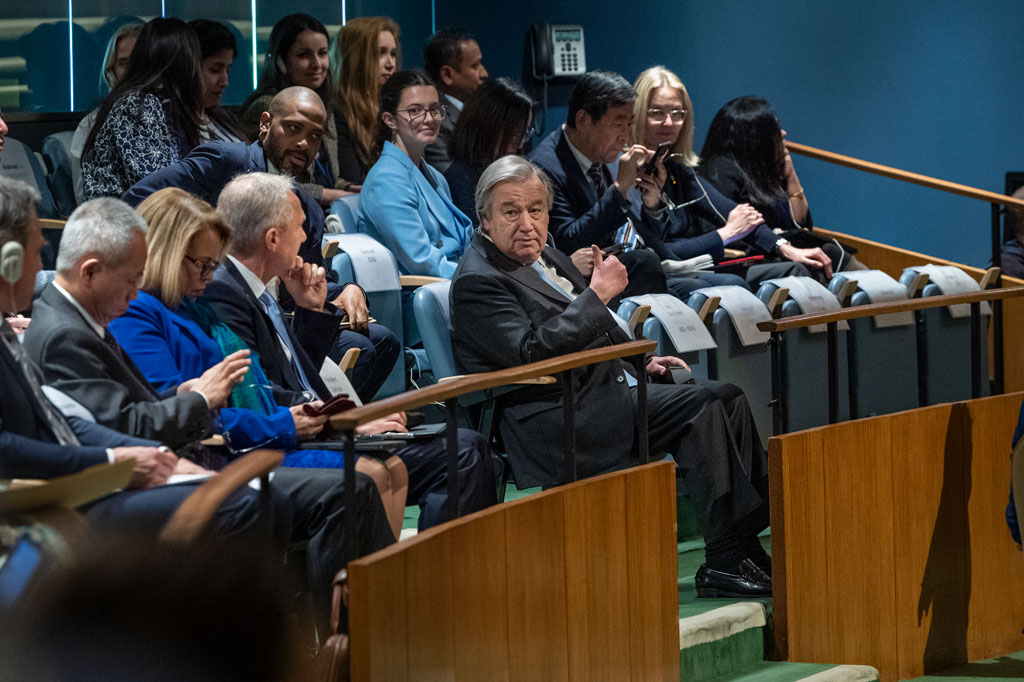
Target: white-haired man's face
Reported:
[(518, 224)]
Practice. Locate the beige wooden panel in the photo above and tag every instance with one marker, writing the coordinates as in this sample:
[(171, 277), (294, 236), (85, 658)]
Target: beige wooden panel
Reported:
[(536, 595), (799, 579), (595, 581), (653, 573), (429, 610), (859, 541), (929, 507), (996, 567), (480, 602), (377, 619)]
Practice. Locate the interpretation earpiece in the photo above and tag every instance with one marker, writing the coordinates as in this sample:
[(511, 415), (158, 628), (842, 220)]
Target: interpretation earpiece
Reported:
[(12, 257)]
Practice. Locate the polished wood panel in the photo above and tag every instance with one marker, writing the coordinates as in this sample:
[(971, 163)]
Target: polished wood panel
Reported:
[(901, 516), (577, 583)]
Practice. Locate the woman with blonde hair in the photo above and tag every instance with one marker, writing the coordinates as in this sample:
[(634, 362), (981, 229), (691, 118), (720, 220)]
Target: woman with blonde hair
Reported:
[(366, 54), (701, 219), (172, 336)]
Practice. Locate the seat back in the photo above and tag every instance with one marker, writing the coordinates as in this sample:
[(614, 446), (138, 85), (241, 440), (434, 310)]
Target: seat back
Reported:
[(654, 328), (430, 307), (345, 208), (57, 151), (944, 343), (804, 354), (20, 163)]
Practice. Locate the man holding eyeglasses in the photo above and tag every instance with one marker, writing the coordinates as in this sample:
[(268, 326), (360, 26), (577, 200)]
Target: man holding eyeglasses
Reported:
[(405, 203), (291, 131)]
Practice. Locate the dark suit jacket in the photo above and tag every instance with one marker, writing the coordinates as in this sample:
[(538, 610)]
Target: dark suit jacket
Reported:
[(312, 334), (504, 315), (77, 361), (579, 217), (210, 166)]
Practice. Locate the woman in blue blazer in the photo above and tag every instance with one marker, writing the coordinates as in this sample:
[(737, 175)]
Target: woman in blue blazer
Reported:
[(172, 336), (405, 203)]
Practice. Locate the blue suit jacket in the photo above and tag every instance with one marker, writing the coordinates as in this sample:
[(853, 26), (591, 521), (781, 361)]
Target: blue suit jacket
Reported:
[(210, 166), (401, 209), (169, 349), (579, 217), (28, 447)]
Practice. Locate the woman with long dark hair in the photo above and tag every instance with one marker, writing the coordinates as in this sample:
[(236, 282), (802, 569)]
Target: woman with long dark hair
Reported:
[(297, 54), (218, 49), (745, 158), (495, 121), (405, 203), (367, 53), (152, 117)]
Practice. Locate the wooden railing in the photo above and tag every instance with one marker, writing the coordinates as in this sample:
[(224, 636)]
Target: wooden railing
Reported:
[(449, 391), (995, 200), (832, 319)]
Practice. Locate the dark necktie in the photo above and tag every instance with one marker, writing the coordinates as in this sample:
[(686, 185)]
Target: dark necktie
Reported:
[(118, 352), (596, 175), (55, 420)]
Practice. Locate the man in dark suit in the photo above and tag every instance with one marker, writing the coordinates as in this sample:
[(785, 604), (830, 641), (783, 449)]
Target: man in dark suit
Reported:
[(601, 195), (37, 441), (454, 62), (102, 256), (290, 135), (515, 301), (290, 352)]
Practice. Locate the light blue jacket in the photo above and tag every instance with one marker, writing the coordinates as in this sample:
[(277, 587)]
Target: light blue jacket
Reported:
[(399, 208)]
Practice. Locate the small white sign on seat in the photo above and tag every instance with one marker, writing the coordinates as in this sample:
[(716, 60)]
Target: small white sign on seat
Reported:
[(374, 266), (680, 321), (881, 288), (745, 310), (812, 298), (952, 280)]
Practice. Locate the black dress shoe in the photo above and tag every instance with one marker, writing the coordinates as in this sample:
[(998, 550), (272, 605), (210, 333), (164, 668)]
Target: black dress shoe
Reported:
[(745, 580)]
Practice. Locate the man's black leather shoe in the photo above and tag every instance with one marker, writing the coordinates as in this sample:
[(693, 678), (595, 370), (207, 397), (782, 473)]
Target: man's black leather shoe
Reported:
[(746, 580)]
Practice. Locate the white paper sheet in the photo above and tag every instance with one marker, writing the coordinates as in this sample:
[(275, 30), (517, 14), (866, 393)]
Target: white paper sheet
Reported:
[(952, 280), (374, 266), (745, 310), (812, 297), (881, 288), (681, 322)]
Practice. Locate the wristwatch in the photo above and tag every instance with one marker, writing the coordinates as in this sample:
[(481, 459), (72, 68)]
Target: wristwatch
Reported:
[(779, 243)]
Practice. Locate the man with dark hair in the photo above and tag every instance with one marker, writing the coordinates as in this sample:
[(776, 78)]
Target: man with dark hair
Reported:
[(601, 195), (290, 135), (515, 300), (453, 61)]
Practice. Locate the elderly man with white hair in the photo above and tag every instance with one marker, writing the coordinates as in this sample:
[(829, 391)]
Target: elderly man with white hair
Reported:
[(515, 300)]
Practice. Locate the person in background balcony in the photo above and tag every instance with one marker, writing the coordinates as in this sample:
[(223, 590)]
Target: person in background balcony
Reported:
[(367, 53), (115, 64), (152, 116), (405, 203), (218, 49), (454, 62), (297, 54)]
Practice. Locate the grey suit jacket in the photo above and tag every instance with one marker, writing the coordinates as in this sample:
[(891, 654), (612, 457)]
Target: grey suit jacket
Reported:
[(436, 154), (504, 315), (77, 361)]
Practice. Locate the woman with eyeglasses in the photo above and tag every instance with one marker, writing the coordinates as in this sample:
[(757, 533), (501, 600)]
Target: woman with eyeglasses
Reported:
[(173, 336), (495, 121), (405, 203)]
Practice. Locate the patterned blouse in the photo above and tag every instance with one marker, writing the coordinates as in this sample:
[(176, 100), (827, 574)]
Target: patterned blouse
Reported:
[(133, 142)]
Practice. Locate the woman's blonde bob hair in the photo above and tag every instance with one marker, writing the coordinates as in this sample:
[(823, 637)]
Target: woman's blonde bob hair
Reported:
[(646, 83), (174, 217)]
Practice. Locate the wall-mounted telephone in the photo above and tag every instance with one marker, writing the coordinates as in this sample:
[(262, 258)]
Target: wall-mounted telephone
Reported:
[(557, 50)]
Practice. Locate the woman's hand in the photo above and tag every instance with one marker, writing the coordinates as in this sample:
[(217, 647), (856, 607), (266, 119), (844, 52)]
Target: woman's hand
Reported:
[(743, 218), (216, 383), (812, 258)]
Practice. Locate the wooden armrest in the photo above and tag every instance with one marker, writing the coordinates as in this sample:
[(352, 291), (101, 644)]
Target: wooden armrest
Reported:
[(846, 291), (348, 360), (638, 317), (541, 381), (708, 309), (52, 224), (733, 253), (917, 284), (776, 301), (214, 441), (329, 249), (988, 280), (195, 512), (419, 280)]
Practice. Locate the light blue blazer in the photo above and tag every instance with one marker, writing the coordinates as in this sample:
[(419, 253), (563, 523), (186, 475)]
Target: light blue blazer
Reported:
[(399, 208)]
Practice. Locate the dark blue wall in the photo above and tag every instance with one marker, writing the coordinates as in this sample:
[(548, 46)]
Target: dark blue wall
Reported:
[(931, 87)]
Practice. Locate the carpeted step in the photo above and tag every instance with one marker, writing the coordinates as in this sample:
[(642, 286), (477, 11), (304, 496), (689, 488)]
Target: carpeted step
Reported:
[(782, 671), (722, 641)]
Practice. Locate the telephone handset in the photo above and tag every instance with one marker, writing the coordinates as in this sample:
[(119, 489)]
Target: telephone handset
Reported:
[(557, 50)]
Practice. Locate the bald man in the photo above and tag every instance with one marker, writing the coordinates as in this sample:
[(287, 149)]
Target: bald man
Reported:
[(290, 134)]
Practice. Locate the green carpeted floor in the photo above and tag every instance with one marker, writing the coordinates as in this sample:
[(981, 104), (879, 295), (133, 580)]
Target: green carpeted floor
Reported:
[(1010, 667)]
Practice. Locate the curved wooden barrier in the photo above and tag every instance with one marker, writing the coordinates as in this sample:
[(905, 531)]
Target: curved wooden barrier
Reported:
[(577, 583)]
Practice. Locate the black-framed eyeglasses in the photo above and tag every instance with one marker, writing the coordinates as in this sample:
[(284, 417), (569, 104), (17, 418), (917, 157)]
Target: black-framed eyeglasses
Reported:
[(205, 268), (659, 115), (416, 115)]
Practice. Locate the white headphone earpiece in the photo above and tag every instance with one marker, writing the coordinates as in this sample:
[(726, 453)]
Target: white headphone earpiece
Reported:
[(281, 67), (12, 257)]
